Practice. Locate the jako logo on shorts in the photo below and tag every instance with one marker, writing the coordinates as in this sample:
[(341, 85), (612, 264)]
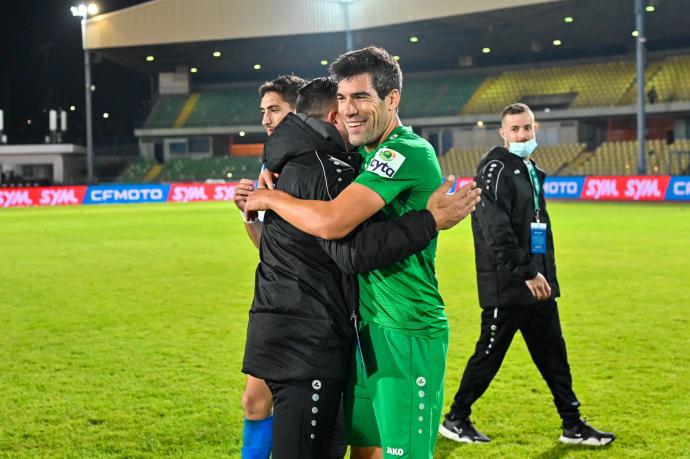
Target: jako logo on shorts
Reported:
[(395, 451)]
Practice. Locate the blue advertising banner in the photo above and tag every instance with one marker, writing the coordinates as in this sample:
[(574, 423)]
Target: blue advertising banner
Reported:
[(126, 194), (678, 188), (564, 187)]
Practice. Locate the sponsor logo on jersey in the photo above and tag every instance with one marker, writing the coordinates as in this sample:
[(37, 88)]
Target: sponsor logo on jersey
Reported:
[(395, 451), (386, 163)]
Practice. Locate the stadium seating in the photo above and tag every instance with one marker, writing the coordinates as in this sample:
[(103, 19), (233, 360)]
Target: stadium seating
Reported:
[(599, 84), (671, 82), (136, 171), (620, 158), (214, 168), (230, 107), (551, 158), (165, 111), (437, 95)]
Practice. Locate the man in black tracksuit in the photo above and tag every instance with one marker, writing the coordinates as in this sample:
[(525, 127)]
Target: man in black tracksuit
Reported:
[(301, 323), (516, 279)]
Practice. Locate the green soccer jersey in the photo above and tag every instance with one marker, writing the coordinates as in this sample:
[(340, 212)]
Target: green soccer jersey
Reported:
[(404, 171)]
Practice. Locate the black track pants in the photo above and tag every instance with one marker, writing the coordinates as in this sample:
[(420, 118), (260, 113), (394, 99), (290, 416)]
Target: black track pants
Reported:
[(305, 419), (541, 328)]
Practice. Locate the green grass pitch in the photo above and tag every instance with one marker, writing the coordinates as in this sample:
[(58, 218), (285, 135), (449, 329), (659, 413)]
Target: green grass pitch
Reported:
[(122, 332)]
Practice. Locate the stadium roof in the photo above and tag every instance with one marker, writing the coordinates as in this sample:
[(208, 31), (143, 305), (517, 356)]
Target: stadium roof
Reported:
[(298, 35)]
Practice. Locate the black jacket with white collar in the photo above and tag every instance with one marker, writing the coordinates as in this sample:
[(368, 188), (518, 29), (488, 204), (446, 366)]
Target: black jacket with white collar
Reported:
[(501, 226)]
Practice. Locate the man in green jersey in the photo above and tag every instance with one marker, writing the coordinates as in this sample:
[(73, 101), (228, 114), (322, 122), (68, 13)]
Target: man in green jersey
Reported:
[(395, 398)]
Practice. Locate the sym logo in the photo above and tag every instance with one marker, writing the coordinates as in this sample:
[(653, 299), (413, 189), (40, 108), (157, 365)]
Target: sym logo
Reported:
[(394, 451), (642, 188), (224, 192), (57, 197), (15, 198), (189, 193), (601, 188)]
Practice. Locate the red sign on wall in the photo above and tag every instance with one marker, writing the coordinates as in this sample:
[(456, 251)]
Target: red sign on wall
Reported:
[(625, 188)]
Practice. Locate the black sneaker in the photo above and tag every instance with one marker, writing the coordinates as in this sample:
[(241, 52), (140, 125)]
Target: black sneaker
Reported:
[(584, 434), (461, 430)]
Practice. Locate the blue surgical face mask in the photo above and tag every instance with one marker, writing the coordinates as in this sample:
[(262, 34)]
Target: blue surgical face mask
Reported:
[(523, 149)]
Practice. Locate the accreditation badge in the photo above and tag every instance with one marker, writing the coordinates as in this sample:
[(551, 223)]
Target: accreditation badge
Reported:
[(538, 238)]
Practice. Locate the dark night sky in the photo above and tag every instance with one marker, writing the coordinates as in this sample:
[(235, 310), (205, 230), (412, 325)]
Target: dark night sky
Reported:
[(42, 67)]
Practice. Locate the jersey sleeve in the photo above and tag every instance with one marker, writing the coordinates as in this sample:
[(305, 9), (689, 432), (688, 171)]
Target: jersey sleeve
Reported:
[(392, 171)]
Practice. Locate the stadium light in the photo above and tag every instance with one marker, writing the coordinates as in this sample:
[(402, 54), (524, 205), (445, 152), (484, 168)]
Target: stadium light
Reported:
[(29, 121), (150, 58), (480, 123), (396, 57), (557, 42), (217, 54), (194, 70), (84, 11), (324, 62), (568, 19), (106, 115), (650, 8), (242, 133), (257, 66), (414, 39), (486, 50), (72, 108), (635, 33)]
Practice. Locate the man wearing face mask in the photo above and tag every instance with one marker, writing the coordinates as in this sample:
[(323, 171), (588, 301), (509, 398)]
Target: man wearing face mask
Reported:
[(516, 279)]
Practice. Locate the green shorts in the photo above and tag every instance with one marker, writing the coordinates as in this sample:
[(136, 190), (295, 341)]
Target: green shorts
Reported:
[(394, 394)]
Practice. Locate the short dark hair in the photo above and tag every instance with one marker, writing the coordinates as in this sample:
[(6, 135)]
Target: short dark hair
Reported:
[(317, 97), (286, 86), (385, 71), (515, 109)]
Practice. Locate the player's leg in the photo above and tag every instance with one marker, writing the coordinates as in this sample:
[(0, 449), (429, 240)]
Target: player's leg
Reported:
[(544, 339), (360, 421), (407, 390), (497, 331), (304, 417), (257, 403)]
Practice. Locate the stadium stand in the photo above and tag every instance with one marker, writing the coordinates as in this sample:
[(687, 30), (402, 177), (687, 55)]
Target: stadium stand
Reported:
[(671, 82), (136, 171), (588, 85), (620, 158), (437, 95), (553, 159), (235, 106), (214, 168), (165, 111)]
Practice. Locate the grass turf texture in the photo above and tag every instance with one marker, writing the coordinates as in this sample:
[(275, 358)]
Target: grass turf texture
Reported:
[(123, 331)]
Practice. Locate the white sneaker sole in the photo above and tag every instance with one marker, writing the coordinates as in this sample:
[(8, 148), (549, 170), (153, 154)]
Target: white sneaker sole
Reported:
[(450, 435), (587, 442)]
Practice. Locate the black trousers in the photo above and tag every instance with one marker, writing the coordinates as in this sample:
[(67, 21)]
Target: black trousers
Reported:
[(541, 328), (307, 419)]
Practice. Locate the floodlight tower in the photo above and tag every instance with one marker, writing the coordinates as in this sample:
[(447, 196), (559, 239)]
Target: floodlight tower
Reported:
[(84, 11), (641, 125)]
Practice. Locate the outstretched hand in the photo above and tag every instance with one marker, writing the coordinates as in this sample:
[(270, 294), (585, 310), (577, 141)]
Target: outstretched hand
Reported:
[(449, 209)]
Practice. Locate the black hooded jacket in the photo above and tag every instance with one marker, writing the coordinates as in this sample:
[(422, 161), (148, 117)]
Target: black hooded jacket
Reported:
[(502, 232), (306, 288)]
